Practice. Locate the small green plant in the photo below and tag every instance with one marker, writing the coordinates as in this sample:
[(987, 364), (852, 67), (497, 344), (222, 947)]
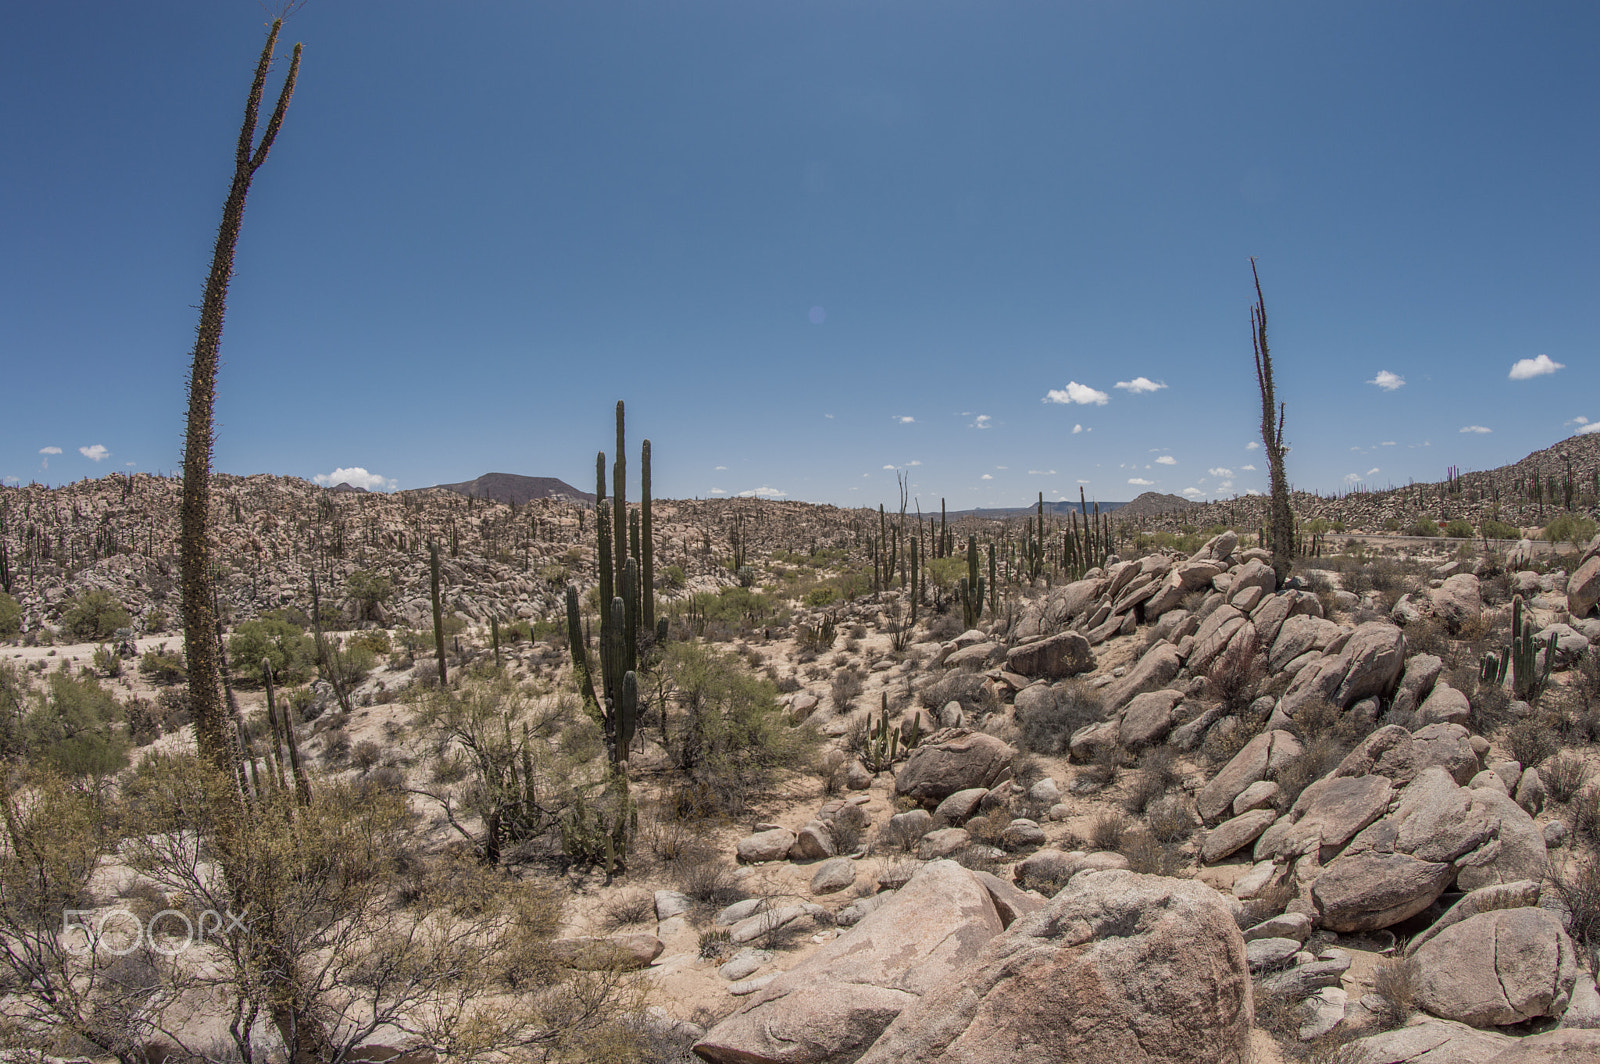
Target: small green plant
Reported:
[(94, 616), (883, 742)]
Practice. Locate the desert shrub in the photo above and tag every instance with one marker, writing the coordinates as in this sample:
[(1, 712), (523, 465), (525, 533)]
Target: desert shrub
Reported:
[(845, 689), (1458, 529), (1575, 529), (981, 857), (1271, 901), (1170, 819), (1233, 676), (988, 828), (1586, 814), (629, 908), (1532, 741), (143, 724), (366, 755), (94, 617), (1158, 771), (1320, 757), (954, 686), (716, 944), (1225, 739), (1099, 773), (1396, 982), (1423, 527), (74, 729), (376, 640), (274, 639), (1047, 726), (1578, 887), (1149, 856), (1108, 830), (1427, 636), (1564, 775), (10, 617), (1588, 677), (174, 708), (163, 669), (899, 837), (1490, 707)]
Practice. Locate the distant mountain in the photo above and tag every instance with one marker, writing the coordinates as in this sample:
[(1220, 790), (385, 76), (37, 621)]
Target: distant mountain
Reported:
[(345, 485), (1153, 502), (516, 489)]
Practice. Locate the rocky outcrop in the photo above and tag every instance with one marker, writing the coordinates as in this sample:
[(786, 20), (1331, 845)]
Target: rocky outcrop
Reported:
[(834, 1005), (1266, 752), (951, 761), (1498, 968), (1368, 891), (1055, 657), (1118, 967)]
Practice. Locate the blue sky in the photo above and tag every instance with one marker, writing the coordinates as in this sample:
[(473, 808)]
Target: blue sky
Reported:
[(810, 244)]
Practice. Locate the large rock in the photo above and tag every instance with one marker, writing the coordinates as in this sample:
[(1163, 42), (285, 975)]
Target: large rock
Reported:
[(1458, 600), (1056, 657), (836, 1003), (1368, 891), (1583, 588), (1118, 967), (1399, 754), (1445, 705), (1421, 672), (1426, 1041), (1230, 835), (1552, 1047), (1268, 751), (1519, 895), (1435, 820), (609, 953), (1515, 852), (1297, 635), (1498, 968), (951, 761), (1253, 573), (1148, 718), (1330, 812), (1376, 654), (770, 845), (1213, 636), (1156, 669)]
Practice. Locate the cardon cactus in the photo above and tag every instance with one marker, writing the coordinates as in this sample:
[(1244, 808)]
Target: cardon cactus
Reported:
[(972, 587)]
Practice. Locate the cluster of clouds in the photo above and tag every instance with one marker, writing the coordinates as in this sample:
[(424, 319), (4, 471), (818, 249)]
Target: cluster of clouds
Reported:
[(94, 452), (1585, 426), (356, 477), (1084, 395)]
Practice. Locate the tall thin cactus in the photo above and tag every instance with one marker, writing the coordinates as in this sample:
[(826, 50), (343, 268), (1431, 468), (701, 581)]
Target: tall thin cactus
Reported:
[(438, 611), (647, 553), (972, 586), (1280, 525)]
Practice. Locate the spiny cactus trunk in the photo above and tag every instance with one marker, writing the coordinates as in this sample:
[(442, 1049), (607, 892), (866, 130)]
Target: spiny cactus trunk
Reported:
[(1280, 523), (438, 610), (647, 554), (195, 561)]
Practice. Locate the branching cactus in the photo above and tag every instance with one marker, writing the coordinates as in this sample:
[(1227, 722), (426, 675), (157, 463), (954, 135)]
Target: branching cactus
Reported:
[(973, 586)]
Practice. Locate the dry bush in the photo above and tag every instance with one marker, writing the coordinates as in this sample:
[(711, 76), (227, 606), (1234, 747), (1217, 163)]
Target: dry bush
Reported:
[(1108, 830), (707, 880), (1578, 886), (1234, 675), (1564, 775), (1270, 902), (1586, 814), (845, 689), (1490, 708), (1047, 728), (1158, 772), (1170, 819), (627, 909), (1149, 856), (1225, 739), (1396, 982), (1427, 636), (988, 828), (899, 837), (1099, 773), (1322, 755), (1532, 741)]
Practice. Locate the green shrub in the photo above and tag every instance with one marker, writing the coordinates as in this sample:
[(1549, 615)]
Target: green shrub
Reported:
[(1423, 526), (277, 640), (74, 729), (1575, 529), (160, 668), (94, 617), (10, 617), (1499, 530), (1458, 529), (376, 640)]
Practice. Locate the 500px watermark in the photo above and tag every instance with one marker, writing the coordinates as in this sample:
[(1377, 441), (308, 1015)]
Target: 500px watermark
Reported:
[(120, 931)]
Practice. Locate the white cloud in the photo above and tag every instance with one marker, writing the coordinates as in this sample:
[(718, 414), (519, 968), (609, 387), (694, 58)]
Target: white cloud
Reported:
[(1478, 429), (95, 452), (762, 492), (913, 462), (1041, 472), (1524, 368), (1252, 445), (1224, 485), (1193, 493), (1220, 471), (828, 416), (12, 481), (1388, 381), (1166, 459), (717, 491), (1140, 385), (1081, 481), (987, 476), (1589, 430), (905, 420), (1074, 392), (1251, 491), (356, 477), (49, 450), (1373, 470), (721, 468), (982, 421), (1248, 468), (1140, 482), (1077, 429), (1352, 478), (1579, 420), (1386, 443)]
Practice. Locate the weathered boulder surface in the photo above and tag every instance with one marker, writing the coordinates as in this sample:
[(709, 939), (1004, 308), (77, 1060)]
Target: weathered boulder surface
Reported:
[(953, 760), (1516, 851), (1118, 967), (1498, 968), (1583, 588), (1427, 1041), (836, 1003), (1156, 669), (1399, 754), (771, 845), (1057, 657), (1457, 600), (612, 952), (1230, 835), (1267, 751), (1331, 811), (1368, 891), (1552, 1047), (1519, 895), (1148, 718)]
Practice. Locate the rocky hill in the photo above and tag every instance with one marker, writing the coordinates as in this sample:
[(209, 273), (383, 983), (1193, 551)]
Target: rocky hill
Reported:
[(515, 489)]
